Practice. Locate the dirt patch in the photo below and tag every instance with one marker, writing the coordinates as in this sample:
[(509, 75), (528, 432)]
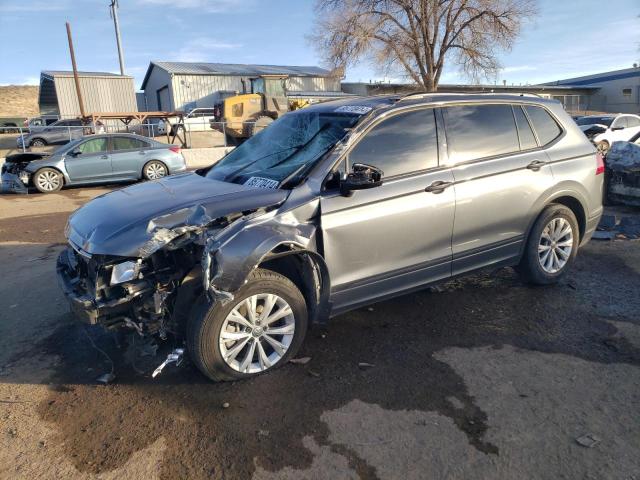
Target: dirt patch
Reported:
[(35, 228), (269, 416), (19, 101)]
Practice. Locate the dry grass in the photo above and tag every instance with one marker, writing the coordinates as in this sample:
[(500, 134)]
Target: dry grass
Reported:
[(19, 101)]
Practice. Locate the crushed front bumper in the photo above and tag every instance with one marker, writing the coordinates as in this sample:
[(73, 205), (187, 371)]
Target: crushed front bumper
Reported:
[(12, 183), (74, 275)]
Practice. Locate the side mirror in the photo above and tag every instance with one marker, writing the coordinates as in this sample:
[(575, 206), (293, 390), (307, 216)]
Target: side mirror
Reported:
[(75, 152), (363, 177)]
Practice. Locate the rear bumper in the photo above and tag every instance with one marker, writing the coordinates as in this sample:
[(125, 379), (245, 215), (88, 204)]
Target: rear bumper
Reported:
[(590, 227)]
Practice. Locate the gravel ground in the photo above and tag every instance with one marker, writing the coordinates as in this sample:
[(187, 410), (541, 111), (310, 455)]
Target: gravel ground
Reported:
[(482, 377)]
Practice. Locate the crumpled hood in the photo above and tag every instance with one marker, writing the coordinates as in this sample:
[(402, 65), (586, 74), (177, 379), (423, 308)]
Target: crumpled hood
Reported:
[(27, 157), (137, 220)]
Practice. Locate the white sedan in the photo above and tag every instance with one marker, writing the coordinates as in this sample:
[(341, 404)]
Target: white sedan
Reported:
[(623, 128)]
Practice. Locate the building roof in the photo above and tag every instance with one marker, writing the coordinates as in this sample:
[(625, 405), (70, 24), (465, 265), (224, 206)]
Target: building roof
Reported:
[(67, 73), (598, 78), (199, 68)]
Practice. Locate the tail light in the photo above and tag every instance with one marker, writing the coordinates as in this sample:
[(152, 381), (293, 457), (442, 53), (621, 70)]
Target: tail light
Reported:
[(599, 164), (174, 149)]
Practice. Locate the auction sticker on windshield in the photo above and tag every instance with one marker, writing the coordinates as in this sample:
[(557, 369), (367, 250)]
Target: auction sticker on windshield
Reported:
[(359, 109), (261, 182)]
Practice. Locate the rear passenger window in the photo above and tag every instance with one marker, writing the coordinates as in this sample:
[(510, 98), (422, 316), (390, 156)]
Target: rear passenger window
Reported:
[(527, 139), (544, 125), (125, 143), (633, 122), (404, 143), (478, 131)]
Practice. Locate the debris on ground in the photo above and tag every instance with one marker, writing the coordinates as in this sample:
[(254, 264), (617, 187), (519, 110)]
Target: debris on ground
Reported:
[(225, 405), (608, 222), (588, 441), (300, 361), (600, 235), (313, 373), (365, 365)]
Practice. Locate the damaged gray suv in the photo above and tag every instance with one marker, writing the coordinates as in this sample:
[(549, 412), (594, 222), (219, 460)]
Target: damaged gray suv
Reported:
[(333, 207)]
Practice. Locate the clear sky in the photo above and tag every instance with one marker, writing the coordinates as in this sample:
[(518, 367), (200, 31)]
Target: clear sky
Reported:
[(568, 38)]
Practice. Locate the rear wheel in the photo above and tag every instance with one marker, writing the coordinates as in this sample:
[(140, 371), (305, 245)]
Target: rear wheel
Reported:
[(38, 142), (551, 247), (154, 170), (48, 180), (259, 330), (261, 123)]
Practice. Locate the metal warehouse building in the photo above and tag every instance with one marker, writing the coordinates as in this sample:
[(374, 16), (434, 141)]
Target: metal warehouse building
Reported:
[(183, 86), (618, 91), (101, 92)]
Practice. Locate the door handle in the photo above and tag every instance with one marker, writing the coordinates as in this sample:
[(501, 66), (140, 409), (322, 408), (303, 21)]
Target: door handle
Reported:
[(536, 165), (438, 187)]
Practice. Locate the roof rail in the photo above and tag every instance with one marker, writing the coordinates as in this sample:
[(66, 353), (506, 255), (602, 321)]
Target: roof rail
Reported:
[(415, 95)]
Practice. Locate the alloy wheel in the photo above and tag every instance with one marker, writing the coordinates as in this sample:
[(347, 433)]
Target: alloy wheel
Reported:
[(555, 245), (49, 181), (155, 171), (257, 333)]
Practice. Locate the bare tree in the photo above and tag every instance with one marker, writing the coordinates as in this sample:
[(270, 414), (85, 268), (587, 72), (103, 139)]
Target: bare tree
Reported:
[(417, 37)]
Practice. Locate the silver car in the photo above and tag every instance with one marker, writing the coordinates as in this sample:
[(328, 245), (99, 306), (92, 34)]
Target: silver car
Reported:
[(92, 159), (330, 208)]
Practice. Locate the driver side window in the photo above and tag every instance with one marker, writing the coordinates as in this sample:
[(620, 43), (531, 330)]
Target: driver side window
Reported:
[(95, 145), (401, 144)]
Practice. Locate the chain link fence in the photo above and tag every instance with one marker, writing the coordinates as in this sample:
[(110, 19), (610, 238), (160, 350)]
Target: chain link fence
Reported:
[(199, 133)]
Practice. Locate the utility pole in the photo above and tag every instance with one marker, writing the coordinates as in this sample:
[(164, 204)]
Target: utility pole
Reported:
[(75, 71), (114, 15)]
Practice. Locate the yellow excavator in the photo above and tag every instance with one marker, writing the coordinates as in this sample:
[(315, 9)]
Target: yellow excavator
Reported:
[(241, 116)]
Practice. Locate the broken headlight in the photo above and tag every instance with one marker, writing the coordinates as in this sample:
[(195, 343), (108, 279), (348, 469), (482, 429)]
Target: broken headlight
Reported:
[(24, 177), (125, 272)]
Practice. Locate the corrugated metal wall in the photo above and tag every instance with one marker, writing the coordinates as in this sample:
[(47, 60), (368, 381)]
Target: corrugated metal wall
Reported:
[(191, 91), (100, 94), (158, 79)]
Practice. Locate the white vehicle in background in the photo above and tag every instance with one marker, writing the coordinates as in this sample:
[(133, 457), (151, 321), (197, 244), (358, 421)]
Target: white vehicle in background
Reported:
[(197, 120), (623, 128)]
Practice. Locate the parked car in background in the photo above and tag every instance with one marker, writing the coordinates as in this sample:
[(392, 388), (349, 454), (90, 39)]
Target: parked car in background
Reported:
[(623, 169), (60, 132), (152, 127), (592, 125), (333, 207), (623, 128), (37, 124), (10, 124), (92, 159), (197, 120)]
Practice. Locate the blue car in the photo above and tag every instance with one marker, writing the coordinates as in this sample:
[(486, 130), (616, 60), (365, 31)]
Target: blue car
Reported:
[(93, 159)]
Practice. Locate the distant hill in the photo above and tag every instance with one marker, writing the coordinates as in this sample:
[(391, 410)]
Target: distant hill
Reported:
[(19, 101)]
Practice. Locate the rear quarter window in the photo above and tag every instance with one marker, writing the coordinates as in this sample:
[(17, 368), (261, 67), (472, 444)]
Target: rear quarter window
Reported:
[(543, 123), (479, 131)]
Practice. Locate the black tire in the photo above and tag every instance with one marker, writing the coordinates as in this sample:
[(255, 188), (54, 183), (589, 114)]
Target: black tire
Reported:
[(156, 166), (48, 180), (206, 322), (38, 142), (231, 141), (530, 268)]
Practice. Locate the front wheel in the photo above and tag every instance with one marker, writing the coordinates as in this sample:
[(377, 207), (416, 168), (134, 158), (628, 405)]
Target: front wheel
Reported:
[(551, 247), (259, 330), (38, 142), (48, 180)]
